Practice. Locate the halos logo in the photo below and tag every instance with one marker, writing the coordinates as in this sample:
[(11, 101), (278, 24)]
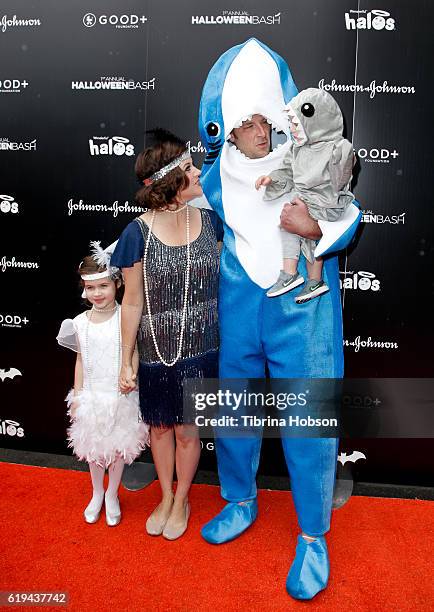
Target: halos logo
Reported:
[(363, 20), (8, 205), (5, 264), (12, 320), (359, 343), (364, 281), (110, 146), (115, 208), (11, 428), (118, 83), (118, 21), (236, 18), (14, 22), (369, 217), (7, 145), (372, 88), (379, 156), (12, 85), (196, 148)]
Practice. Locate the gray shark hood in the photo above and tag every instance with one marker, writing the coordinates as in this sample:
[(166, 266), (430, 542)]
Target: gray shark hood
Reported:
[(317, 116)]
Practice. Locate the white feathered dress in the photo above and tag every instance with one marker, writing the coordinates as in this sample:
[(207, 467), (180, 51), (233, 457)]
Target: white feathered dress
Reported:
[(105, 425)]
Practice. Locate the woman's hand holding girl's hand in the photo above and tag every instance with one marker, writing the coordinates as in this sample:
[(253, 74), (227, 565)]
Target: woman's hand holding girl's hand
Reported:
[(127, 379)]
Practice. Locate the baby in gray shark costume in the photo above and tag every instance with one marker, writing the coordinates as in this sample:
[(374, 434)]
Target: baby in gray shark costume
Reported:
[(317, 169)]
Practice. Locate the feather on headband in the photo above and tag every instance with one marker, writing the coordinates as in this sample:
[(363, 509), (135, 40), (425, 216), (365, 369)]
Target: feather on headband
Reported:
[(102, 257)]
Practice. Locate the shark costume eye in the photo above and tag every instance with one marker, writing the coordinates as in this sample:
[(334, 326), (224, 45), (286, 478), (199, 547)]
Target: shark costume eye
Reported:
[(214, 143), (308, 109), (213, 129)]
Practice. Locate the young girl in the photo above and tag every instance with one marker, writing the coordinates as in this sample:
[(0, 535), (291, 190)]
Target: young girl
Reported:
[(106, 429)]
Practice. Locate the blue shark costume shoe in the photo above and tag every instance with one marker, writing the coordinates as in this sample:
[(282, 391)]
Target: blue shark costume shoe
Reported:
[(231, 522), (294, 341), (309, 572)]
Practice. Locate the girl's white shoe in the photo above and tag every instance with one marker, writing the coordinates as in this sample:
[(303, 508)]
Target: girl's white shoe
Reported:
[(113, 513), (93, 510)]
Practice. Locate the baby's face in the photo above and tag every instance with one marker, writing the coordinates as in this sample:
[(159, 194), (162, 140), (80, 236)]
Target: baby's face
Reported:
[(293, 128)]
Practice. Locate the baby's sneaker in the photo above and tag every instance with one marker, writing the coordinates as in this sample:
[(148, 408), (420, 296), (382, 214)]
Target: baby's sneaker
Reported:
[(312, 289), (285, 282)]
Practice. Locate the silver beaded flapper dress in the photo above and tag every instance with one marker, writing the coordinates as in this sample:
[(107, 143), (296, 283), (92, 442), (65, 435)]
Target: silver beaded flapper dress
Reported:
[(160, 386)]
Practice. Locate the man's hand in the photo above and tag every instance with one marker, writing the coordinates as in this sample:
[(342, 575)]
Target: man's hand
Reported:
[(295, 219), (263, 181)]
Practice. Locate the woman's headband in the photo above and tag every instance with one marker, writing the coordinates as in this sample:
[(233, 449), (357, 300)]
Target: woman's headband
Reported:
[(166, 169)]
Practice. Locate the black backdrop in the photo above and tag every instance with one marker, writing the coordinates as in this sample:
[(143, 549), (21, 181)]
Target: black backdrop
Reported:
[(63, 98)]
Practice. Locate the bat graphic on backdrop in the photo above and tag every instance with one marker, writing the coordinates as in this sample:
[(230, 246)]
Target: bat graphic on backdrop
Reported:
[(11, 373), (355, 455)]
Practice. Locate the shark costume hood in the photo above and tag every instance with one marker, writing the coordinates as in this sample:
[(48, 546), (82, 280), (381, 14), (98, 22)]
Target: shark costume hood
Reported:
[(246, 80), (317, 116)]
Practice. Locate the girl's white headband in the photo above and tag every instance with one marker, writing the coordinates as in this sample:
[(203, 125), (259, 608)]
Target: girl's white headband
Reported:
[(96, 276)]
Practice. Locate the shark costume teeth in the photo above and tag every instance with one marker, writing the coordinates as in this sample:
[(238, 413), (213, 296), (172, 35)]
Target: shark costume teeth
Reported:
[(239, 123), (299, 138)]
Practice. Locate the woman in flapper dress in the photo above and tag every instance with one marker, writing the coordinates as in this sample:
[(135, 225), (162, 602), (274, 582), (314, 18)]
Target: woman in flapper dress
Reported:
[(169, 259)]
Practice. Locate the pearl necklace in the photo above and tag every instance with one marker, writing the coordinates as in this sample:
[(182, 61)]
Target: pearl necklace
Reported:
[(175, 212), (89, 369), (186, 286), (96, 309)]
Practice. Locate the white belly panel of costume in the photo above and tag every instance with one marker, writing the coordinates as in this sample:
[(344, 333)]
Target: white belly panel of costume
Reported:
[(255, 222)]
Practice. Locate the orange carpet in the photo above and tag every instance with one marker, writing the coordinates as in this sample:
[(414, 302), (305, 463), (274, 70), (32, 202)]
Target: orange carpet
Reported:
[(380, 551)]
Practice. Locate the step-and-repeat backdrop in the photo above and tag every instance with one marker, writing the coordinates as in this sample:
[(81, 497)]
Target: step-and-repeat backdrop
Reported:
[(82, 81)]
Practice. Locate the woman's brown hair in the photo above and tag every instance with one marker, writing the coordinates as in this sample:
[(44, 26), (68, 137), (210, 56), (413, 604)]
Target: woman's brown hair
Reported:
[(165, 149)]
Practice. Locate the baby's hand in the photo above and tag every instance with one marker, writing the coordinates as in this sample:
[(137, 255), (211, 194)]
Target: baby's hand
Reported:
[(263, 181)]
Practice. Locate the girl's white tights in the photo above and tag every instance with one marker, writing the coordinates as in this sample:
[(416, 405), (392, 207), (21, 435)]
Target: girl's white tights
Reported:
[(97, 477), (111, 497), (97, 472)]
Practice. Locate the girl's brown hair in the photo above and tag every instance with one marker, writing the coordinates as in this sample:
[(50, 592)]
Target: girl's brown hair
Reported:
[(162, 192)]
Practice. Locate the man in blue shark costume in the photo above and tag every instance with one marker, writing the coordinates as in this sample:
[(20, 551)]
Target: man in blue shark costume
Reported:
[(251, 82)]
